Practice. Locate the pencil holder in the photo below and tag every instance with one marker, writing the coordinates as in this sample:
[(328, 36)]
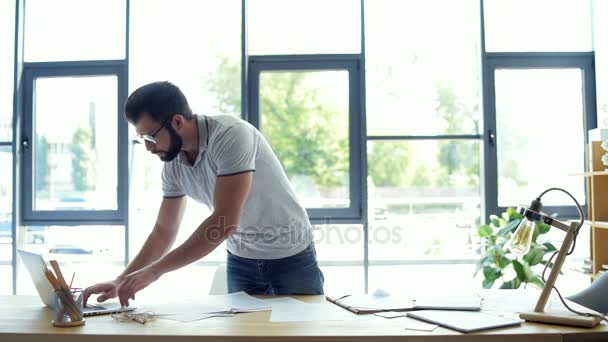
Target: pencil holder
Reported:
[(68, 308)]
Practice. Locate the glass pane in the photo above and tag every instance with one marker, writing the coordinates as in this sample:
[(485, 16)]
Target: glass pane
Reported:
[(423, 279), (74, 143), (424, 199), (340, 254), (69, 30), (539, 130), (92, 253), (6, 219), (422, 80), (290, 27), (7, 44), (600, 35), (145, 196), (304, 116), (541, 25), (201, 54)]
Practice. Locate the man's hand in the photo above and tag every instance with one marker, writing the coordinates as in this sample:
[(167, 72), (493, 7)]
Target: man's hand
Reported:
[(107, 290), (134, 282)]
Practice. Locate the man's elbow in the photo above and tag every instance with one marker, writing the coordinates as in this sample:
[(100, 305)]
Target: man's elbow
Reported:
[(223, 224)]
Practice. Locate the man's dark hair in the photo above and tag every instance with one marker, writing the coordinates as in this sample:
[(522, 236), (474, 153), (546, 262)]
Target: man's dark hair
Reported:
[(159, 99)]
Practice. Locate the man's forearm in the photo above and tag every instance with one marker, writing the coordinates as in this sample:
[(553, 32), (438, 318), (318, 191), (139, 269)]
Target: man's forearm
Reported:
[(210, 234), (154, 248)]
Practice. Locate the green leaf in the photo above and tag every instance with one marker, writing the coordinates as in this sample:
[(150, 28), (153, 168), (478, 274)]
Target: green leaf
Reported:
[(484, 231), (511, 284), (481, 263), (524, 273), (487, 284), (513, 214), (495, 253), (536, 280), (509, 228), (535, 255), (495, 220), (549, 247), (503, 262), (543, 227), (535, 233), (491, 273)]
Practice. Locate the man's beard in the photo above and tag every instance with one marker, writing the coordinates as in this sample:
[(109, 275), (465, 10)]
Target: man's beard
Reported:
[(174, 147)]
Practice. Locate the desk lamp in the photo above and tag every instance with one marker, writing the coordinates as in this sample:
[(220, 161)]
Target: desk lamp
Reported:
[(520, 245)]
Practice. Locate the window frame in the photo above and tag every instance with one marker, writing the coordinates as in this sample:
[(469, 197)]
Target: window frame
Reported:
[(31, 72), (350, 63), (536, 60)]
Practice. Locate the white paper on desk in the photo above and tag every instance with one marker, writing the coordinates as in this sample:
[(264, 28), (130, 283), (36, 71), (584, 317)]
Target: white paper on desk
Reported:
[(237, 302), (183, 309), (230, 303), (292, 310), (419, 326), (390, 314), (192, 317), (392, 302)]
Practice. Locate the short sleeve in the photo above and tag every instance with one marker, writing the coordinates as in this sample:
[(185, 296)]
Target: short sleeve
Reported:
[(171, 187), (235, 151)]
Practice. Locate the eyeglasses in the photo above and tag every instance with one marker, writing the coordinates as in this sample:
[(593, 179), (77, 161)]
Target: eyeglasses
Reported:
[(151, 136)]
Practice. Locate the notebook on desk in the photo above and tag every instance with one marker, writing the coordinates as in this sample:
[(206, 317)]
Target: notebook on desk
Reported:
[(369, 304), (464, 321)]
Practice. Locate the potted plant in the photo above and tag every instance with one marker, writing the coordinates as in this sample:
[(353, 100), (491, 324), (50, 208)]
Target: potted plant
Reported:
[(501, 267)]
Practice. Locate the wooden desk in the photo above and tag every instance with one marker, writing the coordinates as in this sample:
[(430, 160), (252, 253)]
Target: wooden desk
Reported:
[(25, 319)]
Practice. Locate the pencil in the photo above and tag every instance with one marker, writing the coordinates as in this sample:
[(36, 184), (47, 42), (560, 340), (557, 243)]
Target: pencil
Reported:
[(68, 302), (59, 275)]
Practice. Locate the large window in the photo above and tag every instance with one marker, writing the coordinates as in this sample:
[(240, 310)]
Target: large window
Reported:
[(72, 143), (423, 125), (539, 118), (304, 115), (72, 30), (194, 44), (202, 56), (6, 218), (89, 253), (7, 43), (446, 118), (539, 25), (292, 27), (541, 107), (308, 110), (600, 42)]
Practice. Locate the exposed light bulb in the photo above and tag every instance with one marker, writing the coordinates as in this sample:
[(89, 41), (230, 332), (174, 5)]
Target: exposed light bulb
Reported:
[(522, 238)]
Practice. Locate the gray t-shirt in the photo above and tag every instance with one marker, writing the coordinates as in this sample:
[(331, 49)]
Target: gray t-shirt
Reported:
[(273, 223)]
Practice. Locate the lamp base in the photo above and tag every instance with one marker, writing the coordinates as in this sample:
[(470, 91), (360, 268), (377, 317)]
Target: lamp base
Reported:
[(565, 318)]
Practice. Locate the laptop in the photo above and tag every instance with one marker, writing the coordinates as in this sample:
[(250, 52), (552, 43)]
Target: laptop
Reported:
[(36, 266)]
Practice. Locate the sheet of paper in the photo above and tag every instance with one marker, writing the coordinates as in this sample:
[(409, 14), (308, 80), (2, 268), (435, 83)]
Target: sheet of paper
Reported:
[(362, 301), (237, 302), (419, 326), (291, 310), (230, 303), (390, 314), (192, 317), (175, 309)]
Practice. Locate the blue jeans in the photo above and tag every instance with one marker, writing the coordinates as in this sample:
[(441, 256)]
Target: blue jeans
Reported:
[(295, 275)]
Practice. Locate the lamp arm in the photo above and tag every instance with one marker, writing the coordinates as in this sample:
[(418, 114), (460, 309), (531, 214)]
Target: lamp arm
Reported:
[(569, 241), (557, 266)]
